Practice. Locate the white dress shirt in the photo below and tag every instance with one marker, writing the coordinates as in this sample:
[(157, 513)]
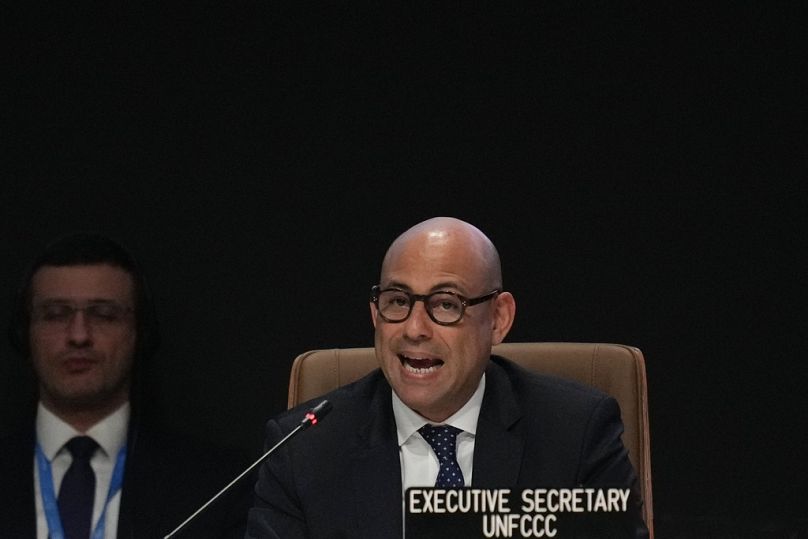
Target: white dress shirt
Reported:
[(419, 464), (52, 434)]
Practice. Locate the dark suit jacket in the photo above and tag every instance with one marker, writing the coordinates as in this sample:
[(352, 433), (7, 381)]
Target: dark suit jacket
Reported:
[(342, 478), (166, 479)]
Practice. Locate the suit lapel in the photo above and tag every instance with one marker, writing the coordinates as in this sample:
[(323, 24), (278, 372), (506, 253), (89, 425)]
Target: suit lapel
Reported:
[(378, 504), (497, 448)]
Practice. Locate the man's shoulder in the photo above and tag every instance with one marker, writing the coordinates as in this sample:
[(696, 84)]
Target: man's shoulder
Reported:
[(17, 434), (17, 517), (18, 452), (348, 401), (543, 403), (532, 385)]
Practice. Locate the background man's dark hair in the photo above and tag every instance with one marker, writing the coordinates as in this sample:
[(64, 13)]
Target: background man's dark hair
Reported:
[(79, 249)]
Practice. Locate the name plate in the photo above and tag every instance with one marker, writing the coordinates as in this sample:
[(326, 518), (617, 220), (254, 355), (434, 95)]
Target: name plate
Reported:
[(563, 513)]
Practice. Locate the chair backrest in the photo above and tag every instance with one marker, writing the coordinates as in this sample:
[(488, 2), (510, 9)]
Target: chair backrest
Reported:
[(615, 369)]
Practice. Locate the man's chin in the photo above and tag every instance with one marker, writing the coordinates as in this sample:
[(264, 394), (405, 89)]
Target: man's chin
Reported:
[(424, 403), (82, 398)]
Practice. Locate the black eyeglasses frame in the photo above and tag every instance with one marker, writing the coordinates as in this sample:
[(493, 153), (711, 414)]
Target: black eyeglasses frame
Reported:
[(465, 302)]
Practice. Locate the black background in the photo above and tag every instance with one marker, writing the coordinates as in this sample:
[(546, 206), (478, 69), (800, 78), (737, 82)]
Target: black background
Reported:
[(639, 165)]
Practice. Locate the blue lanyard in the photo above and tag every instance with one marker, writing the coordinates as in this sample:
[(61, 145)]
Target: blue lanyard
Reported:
[(49, 496)]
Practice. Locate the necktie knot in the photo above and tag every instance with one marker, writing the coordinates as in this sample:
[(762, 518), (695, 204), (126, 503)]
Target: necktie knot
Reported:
[(440, 437), (81, 447), (443, 440)]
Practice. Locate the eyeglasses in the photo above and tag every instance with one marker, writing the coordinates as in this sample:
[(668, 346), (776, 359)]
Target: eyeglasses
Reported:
[(100, 314), (444, 308)]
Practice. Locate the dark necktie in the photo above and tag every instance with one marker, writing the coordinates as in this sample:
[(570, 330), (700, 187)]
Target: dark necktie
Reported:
[(77, 492), (443, 439)]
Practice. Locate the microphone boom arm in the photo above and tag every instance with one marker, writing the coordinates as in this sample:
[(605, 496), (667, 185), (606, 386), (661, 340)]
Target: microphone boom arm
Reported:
[(312, 418)]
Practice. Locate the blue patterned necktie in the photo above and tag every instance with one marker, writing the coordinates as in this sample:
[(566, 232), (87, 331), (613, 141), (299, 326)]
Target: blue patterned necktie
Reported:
[(443, 439), (77, 492)]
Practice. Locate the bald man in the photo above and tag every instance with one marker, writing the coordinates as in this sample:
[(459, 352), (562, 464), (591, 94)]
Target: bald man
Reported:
[(437, 311)]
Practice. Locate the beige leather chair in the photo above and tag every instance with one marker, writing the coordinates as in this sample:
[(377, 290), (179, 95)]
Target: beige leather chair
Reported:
[(616, 369)]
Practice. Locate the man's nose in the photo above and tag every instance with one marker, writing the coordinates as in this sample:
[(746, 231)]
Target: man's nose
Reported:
[(79, 331), (418, 326)]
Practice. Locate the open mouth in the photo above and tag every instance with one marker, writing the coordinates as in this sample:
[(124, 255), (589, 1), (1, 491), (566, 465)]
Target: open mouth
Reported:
[(420, 365)]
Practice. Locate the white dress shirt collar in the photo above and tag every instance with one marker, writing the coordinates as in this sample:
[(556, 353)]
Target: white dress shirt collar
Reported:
[(408, 421), (53, 433)]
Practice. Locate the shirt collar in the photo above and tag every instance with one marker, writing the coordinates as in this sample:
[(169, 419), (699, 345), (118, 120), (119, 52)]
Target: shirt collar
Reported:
[(53, 433), (408, 421)]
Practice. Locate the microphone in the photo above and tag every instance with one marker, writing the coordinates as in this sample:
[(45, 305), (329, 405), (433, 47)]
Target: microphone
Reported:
[(312, 417)]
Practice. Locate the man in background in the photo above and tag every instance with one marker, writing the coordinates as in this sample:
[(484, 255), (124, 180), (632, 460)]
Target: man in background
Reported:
[(91, 462)]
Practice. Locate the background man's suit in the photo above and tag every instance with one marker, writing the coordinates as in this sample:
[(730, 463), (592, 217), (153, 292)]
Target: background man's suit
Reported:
[(342, 478), (166, 480)]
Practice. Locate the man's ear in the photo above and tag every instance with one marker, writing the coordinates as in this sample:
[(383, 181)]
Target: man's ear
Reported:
[(373, 313), (504, 314)]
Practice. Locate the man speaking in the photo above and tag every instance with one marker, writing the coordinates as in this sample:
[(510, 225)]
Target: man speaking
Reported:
[(441, 410)]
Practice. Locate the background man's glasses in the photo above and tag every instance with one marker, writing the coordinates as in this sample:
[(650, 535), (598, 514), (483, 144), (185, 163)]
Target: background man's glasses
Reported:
[(444, 308), (61, 315)]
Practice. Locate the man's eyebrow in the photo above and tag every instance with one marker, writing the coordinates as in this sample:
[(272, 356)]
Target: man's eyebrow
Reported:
[(446, 285), (59, 301), (399, 285)]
